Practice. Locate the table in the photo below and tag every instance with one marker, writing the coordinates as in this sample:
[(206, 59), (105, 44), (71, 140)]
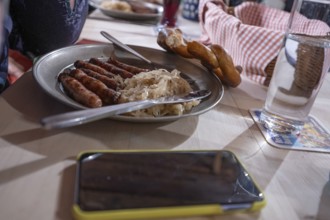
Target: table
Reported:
[(37, 166)]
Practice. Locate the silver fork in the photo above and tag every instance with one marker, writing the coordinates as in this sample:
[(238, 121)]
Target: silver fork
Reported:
[(84, 116)]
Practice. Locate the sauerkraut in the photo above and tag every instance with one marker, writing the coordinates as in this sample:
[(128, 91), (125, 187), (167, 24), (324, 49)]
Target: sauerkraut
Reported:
[(156, 84)]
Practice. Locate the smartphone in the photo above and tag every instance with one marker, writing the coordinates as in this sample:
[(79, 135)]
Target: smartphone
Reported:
[(162, 184)]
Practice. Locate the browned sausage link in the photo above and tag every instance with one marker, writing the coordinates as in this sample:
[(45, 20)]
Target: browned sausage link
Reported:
[(79, 92), (129, 68), (111, 68), (108, 96), (95, 68), (109, 82)]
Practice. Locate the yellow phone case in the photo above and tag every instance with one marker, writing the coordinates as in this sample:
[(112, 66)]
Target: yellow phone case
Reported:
[(160, 212)]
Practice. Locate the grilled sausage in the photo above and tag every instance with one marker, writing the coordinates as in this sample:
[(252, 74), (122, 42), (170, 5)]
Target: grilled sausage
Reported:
[(111, 68), (129, 68), (109, 82), (108, 96), (95, 68), (79, 92)]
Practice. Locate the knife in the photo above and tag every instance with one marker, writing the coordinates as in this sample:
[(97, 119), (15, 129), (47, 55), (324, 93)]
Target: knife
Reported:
[(79, 117)]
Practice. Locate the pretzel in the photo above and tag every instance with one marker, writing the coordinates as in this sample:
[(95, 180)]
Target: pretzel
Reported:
[(203, 53), (215, 58), (161, 40), (172, 40), (230, 73)]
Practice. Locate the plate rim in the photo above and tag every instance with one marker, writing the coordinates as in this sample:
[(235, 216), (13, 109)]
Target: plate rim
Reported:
[(73, 104)]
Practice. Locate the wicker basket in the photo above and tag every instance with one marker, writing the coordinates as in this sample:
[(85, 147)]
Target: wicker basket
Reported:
[(307, 76)]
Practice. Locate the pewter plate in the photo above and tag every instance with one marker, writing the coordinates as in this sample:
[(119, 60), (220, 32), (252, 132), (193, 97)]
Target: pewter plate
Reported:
[(47, 68), (127, 15)]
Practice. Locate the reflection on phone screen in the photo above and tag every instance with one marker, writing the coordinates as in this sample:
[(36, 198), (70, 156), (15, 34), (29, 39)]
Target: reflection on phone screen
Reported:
[(112, 181)]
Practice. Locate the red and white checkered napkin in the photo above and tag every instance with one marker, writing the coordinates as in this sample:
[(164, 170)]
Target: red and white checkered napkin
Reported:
[(253, 37)]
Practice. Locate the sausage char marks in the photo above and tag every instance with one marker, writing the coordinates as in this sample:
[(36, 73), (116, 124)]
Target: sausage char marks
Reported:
[(79, 92), (111, 68), (109, 82), (95, 68), (108, 96), (96, 83), (129, 68)]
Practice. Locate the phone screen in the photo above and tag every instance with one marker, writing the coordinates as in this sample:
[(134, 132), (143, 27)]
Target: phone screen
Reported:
[(131, 180)]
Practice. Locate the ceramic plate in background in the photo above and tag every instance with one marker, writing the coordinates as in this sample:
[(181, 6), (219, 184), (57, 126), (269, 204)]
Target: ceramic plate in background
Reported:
[(130, 15)]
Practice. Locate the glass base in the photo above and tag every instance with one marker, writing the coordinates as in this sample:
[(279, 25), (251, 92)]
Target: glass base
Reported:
[(161, 27), (278, 124)]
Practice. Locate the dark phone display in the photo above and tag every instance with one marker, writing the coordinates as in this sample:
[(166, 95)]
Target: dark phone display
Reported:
[(112, 181)]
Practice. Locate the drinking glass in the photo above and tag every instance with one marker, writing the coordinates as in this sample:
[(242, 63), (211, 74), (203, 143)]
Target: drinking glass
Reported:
[(301, 66), (170, 14)]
